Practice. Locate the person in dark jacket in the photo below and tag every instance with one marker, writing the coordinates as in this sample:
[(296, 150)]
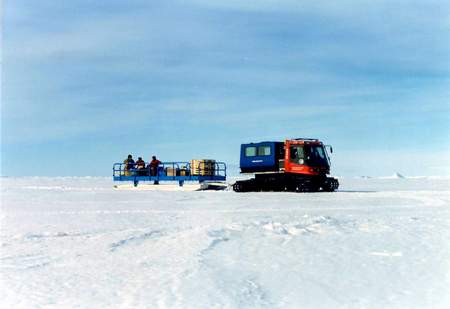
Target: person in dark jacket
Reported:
[(128, 165), (153, 166), (140, 166)]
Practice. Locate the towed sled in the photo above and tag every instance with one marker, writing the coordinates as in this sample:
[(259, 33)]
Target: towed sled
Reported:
[(196, 175)]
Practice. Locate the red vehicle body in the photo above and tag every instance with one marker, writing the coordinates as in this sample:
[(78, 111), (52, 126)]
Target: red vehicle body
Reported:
[(298, 168)]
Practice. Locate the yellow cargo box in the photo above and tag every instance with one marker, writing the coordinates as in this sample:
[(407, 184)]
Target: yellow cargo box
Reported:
[(183, 172), (203, 167), (170, 171)]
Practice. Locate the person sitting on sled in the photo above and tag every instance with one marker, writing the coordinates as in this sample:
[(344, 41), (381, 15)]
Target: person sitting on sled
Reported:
[(140, 166), (153, 167), (128, 165)]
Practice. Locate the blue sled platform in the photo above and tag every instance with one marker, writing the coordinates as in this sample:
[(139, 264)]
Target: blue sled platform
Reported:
[(171, 171)]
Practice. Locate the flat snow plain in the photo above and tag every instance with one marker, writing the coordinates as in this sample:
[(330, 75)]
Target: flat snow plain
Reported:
[(77, 242)]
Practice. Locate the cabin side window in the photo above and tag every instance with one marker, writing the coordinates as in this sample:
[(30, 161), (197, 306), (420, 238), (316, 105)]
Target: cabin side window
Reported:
[(264, 151), (250, 151)]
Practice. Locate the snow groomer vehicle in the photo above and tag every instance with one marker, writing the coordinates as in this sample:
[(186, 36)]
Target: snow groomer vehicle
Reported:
[(202, 174), (296, 165)]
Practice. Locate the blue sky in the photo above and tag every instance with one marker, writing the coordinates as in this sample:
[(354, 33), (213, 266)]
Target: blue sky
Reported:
[(84, 83)]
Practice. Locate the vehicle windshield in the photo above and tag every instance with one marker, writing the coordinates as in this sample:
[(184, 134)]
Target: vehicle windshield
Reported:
[(316, 156)]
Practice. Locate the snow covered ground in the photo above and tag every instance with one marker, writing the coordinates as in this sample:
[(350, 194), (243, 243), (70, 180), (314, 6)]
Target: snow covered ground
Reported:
[(77, 242)]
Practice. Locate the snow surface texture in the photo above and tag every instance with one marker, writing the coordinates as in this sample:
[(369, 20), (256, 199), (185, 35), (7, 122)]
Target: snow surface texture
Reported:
[(77, 242)]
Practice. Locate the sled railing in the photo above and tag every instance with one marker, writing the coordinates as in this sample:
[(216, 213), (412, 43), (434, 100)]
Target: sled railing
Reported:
[(171, 171)]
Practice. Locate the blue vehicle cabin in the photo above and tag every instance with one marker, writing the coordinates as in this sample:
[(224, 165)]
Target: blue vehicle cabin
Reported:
[(261, 157)]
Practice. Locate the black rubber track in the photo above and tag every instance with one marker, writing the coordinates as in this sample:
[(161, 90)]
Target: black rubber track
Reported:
[(289, 184)]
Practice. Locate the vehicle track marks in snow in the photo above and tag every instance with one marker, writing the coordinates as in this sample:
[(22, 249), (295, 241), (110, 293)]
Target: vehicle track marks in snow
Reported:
[(134, 240), (242, 289), (218, 236), (25, 262)]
